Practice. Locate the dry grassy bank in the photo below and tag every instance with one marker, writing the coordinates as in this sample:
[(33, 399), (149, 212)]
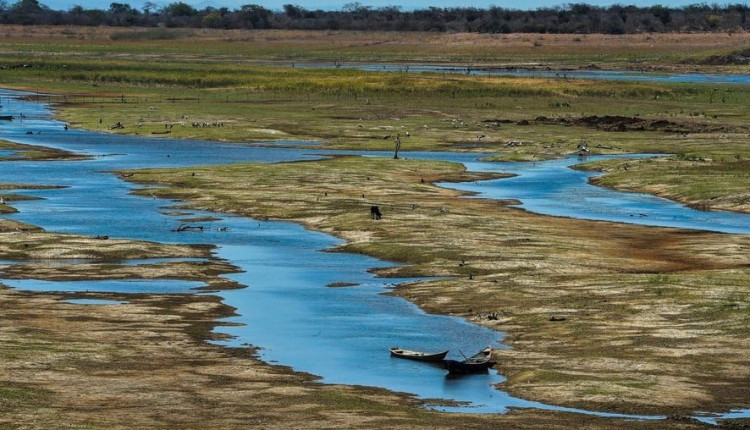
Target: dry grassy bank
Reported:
[(638, 51), (599, 315), (145, 363)]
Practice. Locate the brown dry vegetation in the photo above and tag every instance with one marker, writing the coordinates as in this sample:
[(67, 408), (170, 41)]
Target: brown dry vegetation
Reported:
[(638, 51), (640, 326), (599, 315), (144, 364)]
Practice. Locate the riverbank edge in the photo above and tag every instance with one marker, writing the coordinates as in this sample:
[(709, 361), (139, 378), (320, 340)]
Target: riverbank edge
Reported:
[(427, 303), (583, 405), (108, 345), (609, 179)]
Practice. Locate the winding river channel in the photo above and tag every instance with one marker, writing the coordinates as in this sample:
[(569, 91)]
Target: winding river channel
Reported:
[(340, 334)]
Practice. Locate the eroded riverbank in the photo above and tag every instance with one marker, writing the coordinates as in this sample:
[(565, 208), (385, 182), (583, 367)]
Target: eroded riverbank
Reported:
[(436, 215), (144, 362), (630, 303)]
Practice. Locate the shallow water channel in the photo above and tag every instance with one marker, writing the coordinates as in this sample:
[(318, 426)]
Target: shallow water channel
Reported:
[(339, 334), (608, 75)]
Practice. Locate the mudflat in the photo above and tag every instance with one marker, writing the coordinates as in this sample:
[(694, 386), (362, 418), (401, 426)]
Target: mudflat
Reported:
[(601, 316)]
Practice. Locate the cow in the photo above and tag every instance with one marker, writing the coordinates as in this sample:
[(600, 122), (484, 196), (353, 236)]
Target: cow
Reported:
[(375, 212)]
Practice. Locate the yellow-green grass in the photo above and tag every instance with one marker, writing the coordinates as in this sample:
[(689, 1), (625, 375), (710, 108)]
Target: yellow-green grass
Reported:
[(355, 110), (144, 364), (30, 152), (361, 110), (705, 183), (241, 101)]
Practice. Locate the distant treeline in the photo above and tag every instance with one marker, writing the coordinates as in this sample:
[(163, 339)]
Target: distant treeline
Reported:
[(572, 18)]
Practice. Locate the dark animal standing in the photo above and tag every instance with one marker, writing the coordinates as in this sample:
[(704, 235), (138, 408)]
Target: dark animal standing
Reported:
[(375, 212)]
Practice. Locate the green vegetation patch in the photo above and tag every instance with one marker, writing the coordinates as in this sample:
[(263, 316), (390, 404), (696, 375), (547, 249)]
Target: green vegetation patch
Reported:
[(15, 395)]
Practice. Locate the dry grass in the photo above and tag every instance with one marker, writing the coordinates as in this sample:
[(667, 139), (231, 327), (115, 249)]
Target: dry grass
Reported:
[(655, 320), (641, 318), (636, 50), (145, 364)]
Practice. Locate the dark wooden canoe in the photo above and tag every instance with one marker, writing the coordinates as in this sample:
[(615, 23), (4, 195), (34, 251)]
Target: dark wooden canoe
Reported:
[(418, 355), (6, 117), (479, 362)]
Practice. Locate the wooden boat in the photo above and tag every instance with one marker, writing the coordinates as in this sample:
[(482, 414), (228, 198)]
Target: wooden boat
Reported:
[(418, 355), (479, 362), (6, 117)]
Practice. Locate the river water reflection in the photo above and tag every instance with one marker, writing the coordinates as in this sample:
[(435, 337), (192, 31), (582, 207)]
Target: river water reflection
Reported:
[(553, 188), (287, 309)]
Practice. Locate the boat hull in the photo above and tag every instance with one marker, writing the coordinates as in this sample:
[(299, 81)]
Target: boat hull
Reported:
[(477, 363), (463, 368), (418, 355)]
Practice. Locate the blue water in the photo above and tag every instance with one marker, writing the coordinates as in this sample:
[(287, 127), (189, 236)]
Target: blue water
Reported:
[(612, 75), (339, 334), (94, 302), (286, 309), (553, 188), (131, 286), (621, 75)]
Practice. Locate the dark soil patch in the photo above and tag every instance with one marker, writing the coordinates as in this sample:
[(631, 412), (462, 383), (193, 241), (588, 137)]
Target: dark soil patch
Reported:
[(735, 58), (626, 124)]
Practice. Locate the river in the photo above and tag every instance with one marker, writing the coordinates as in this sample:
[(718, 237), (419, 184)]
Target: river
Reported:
[(541, 72), (339, 334)]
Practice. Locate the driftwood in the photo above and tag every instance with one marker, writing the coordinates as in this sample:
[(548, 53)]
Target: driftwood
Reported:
[(187, 227)]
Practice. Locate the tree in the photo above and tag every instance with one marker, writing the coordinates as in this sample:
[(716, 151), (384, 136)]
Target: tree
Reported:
[(27, 6), (123, 14), (148, 7), (121, 8), (662, 13), (30, 12), (212, 20), (713, 21), (180, 9), (293, 11), (255, 16)]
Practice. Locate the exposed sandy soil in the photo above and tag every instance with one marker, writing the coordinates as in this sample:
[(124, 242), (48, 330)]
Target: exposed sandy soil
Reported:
[(144, 365), (599, 315)]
